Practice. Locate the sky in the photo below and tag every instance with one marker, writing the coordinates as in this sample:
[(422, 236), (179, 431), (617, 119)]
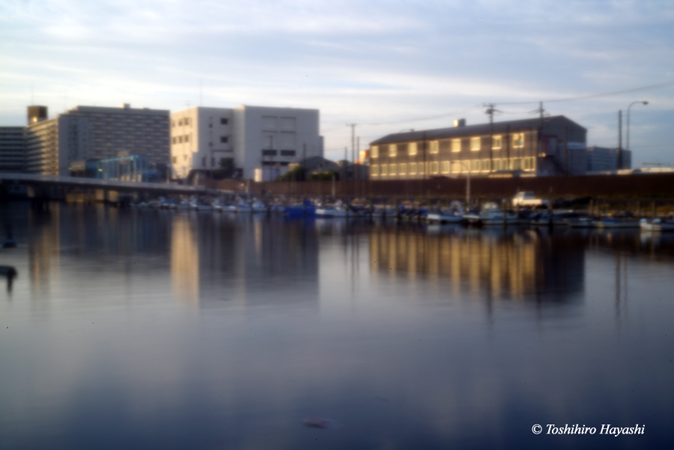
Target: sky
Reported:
[(386, 66)]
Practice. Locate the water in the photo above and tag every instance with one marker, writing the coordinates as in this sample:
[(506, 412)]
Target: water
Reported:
[(138, 329)]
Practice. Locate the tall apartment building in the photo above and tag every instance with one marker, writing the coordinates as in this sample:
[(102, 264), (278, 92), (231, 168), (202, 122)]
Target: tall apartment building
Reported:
[(12, 149), (602, 159), (89, 132), (551, 146), (259, 141)]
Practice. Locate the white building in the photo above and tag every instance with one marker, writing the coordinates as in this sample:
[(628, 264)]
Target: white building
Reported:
[(259, 141)]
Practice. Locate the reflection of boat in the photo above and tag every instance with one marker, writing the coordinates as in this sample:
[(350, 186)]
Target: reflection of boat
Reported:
[(656, 225), (491, 214)]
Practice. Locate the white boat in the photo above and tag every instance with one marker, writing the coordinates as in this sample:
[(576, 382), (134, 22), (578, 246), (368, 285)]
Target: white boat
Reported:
[(258, 207), (453, 214), (336, 210), (491, 214), (656, 225)]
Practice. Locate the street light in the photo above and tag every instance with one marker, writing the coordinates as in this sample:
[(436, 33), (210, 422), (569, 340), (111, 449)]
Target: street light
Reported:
[(643, 102)]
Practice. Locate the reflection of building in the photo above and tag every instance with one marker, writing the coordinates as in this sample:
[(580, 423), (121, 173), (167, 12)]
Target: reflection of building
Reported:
[(491, 262), (184, 260), (257, 142), (44, 250), (549, 146)]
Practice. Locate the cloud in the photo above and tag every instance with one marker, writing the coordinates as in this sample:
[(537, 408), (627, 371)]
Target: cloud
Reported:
[(366, 62)]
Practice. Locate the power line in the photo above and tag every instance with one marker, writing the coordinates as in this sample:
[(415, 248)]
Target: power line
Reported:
[(585, 97)]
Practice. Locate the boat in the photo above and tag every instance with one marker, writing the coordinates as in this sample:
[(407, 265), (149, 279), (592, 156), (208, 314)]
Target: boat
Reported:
[(490, 215), (625, 220), (453, 214), (258, 207), (336, 210), (657, 225)]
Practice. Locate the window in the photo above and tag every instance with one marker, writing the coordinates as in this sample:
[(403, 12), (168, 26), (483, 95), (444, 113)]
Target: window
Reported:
[(496, 143), (187, 138), (475, 165), (475, 144), (210, 125), (445, 167), (402, 169), (203, 161), (269, 153), (223, 139), (383, 170), (180, 123), (412, 148), (422, 168), (186, 121), (485, 165), (374, 170), (174, 160), (518, 140), (287, 152), (392, 169), (413, 168), (457, 167), (435, 147), (435, 168), (212, 162), (456, 145), (180, 139), (374, 151), (392, 152), (174, 140), (515, 164), (223, 121)]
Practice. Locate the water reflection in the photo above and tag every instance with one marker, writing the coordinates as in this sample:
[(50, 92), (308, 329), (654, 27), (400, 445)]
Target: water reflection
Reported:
[(184, 261), (517, 264), (220, 331)]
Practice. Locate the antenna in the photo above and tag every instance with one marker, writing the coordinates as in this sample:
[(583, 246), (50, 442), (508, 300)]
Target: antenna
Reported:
[(201, 103)]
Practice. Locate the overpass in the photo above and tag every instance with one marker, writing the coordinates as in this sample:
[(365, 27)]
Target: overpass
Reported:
[(106, 185)]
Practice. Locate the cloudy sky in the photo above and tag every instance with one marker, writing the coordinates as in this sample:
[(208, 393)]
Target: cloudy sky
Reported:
[(385, 65)]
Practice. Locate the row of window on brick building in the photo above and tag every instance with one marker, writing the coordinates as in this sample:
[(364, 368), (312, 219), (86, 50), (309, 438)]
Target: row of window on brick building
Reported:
[(526, 164), (454, 145)]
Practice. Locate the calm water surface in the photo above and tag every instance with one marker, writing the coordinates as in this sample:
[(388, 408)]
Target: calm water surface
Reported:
[(139, 329)]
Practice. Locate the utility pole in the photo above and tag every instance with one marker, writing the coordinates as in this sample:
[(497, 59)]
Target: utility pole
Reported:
[(490, 112), (353, 145), (620, 140)]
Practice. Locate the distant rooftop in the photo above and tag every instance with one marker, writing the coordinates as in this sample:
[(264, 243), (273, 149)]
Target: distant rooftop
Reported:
[(470, 130)]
